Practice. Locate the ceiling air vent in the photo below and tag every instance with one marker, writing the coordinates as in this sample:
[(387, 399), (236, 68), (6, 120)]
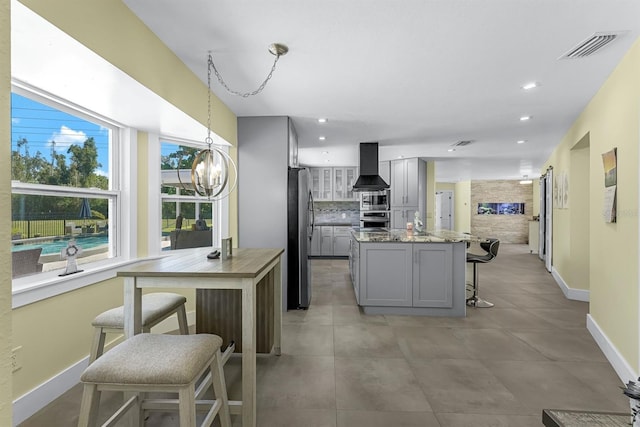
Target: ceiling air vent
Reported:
[(462, 143), (591, 45)]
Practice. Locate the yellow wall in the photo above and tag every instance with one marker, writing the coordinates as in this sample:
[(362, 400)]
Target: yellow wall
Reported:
[(60, 327), (462, 207), (611, 119), (5, 219)]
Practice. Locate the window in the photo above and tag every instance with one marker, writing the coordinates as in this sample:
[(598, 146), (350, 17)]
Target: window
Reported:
[(64, 186), (188, 220)]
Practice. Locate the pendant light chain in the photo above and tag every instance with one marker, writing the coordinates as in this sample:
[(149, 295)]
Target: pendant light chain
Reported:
[(244, 94), (209, 141)]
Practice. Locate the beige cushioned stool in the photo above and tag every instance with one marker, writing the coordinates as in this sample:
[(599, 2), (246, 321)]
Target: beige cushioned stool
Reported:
[(155, 308), (158, 363)]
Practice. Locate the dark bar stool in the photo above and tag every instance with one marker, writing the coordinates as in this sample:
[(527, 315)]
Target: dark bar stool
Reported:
[(491, 248)]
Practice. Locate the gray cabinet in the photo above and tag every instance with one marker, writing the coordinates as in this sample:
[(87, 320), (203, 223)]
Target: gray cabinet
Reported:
[(409, 278), (326, 240), (341, 235), (404, 182), (386, 274), (343, 180), (322, 183), (408, 187), (432, 275), (400, 216), (329, 241), (354, 266)]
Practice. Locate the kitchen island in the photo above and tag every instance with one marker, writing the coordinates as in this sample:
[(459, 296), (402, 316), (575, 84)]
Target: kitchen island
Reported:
[(399, 272)]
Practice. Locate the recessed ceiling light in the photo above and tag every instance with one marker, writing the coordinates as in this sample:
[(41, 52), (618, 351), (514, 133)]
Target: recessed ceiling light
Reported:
[(325, 152), (451, 149), (401, 156), (525, 118), (522, 141), (322, 138), (323, 120), (530, 85)]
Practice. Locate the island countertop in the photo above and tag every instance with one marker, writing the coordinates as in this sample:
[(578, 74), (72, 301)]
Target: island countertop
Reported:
[(400, 235)]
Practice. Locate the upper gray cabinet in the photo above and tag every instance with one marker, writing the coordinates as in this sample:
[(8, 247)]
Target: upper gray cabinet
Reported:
[(322, 183), (343, 180), (329, 184), (405, 182)]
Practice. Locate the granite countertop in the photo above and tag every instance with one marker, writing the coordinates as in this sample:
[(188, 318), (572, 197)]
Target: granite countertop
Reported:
[(337, 223), (400, 235)]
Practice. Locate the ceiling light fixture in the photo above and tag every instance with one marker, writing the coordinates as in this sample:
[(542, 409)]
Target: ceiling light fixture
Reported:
[(322, 138), (522, 141), (530, 85), (451, 149), (210, 169), (323, 120), (525, 118), (276, 49), (325, 153)]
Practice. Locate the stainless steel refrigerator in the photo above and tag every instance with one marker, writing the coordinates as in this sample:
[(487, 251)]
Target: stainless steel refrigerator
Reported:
[(300, 223)]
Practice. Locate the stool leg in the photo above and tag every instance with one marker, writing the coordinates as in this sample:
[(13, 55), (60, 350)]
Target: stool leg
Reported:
[(97, 345), (480, 303), (187, 406), (220, 389), (89, 406), (182, 320)]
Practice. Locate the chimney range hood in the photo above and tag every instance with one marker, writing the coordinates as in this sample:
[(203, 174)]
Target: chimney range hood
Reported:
[(369, 180)]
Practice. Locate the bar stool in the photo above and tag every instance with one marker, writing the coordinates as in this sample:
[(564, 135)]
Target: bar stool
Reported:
[(155, 308), (158, 363), (491, 248)]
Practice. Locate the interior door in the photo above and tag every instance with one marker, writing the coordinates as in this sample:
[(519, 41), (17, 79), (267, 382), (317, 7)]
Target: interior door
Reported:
[(548, 227)]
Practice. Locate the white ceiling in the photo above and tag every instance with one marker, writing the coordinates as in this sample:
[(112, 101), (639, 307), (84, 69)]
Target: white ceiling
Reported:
[(414, 75)]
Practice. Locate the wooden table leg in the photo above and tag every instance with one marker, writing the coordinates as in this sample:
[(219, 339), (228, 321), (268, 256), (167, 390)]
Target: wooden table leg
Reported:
[(277, 308), (132, 307), (248, 353)]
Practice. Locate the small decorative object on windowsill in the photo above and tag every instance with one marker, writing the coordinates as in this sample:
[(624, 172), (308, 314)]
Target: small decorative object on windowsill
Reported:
[(226, 248), (71, 252)]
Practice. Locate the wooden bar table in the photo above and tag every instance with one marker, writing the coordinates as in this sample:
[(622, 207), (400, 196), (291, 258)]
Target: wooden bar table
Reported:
[(190, 268)]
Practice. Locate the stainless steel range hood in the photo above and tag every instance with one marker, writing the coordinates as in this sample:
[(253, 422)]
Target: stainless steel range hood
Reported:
[(369, 180)]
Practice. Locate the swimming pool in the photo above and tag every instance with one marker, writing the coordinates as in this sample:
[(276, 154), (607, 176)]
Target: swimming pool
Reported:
[(50, 247)]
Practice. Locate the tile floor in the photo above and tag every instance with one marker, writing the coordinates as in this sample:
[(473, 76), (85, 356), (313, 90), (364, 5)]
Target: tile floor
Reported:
[(498, 366)]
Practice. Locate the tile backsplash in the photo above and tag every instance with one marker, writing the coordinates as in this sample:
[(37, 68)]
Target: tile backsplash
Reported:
[(328, 212)]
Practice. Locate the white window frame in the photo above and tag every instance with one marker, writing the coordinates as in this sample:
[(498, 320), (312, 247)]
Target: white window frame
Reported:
[(220, 208), (122, 211)]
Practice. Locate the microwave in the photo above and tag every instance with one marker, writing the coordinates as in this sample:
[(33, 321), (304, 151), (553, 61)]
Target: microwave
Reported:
[(374, 219), (375, 200)]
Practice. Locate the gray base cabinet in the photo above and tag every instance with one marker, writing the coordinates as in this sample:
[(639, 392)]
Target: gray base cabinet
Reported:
[(409, 278), (432, 275), (386, 274), (341, 237), (330, 241)]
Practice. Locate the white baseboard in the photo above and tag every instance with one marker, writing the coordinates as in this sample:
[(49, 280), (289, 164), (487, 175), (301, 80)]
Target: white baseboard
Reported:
[(31, 402), (623, 369), (569, 293)]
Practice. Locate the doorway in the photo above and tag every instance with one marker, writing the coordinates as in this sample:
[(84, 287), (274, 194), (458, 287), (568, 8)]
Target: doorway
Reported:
[(444, 210)]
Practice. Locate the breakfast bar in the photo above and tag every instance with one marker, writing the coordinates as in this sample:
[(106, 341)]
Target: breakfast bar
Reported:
[(190, 268)]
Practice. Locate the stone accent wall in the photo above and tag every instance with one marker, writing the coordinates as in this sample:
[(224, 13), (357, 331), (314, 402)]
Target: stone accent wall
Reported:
[(507, 228)]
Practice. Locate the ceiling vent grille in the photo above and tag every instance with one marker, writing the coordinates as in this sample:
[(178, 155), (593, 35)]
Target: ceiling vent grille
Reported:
[(462, 143), (591, 45)]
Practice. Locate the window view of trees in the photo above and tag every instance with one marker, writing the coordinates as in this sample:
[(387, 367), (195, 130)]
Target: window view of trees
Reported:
[(179, 198), (60, 185)]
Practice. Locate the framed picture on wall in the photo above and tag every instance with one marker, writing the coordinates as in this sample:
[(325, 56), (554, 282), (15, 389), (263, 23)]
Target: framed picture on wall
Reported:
[(610, 164)]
